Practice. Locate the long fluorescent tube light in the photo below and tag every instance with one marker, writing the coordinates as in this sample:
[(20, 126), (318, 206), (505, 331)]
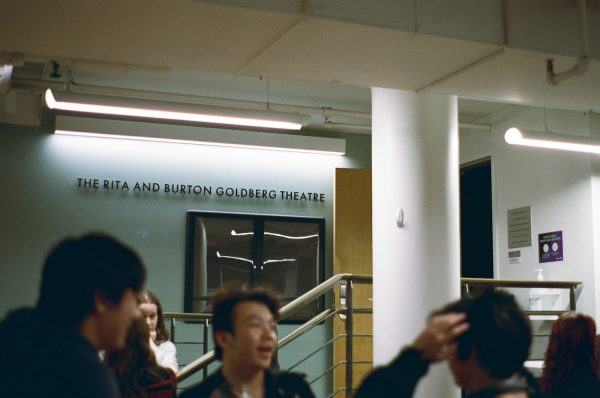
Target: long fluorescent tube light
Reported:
[(106, 128), (149, 109), (562, 142)]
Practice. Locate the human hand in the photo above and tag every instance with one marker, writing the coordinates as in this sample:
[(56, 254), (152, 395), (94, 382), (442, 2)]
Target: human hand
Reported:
[(435, 342), (153, 335)]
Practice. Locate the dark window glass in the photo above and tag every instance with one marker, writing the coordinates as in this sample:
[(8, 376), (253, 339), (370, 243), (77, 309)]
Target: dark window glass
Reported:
[(285, 253)]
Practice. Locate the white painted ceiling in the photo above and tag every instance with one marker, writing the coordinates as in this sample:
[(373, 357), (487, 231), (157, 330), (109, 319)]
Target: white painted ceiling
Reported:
[(491, 53)]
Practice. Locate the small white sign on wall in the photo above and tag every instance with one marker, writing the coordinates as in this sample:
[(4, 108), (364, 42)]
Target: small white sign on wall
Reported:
[(514, 256)]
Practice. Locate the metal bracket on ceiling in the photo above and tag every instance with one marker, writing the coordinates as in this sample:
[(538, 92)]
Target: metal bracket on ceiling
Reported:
[(583, 61)]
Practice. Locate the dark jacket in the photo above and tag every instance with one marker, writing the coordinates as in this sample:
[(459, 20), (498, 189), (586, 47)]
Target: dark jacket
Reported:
[(400, 377), (41, 360), (277, 385), (165, 388)]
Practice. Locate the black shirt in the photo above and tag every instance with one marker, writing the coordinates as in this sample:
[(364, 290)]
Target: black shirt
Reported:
[(41, 360), (277, 385)]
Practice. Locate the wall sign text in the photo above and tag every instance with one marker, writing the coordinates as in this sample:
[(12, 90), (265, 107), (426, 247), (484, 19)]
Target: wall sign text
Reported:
[(197, 190)]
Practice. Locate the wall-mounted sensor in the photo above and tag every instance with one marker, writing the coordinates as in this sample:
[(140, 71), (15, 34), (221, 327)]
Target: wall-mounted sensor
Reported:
[(400, 218)]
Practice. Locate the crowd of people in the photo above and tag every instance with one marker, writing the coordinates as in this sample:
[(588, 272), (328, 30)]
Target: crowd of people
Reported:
[(95, 332)]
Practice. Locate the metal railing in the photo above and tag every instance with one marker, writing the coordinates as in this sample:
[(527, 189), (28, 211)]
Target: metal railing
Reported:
[(203, 318), (541, 318), (572, 286), (344, 308)]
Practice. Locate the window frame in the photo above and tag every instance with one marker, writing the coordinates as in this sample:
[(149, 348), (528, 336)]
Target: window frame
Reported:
[(258, 221)]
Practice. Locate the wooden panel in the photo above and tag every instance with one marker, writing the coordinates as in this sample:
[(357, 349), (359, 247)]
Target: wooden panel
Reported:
[(353, 253)]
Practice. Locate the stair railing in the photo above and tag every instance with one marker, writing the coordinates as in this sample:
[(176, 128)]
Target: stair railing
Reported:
[(345, 310)]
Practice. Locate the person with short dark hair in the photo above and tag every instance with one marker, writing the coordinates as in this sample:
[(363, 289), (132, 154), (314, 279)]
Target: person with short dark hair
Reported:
[(87, 302), (571, 362), (135, 367), (485, 338), (164, 350), (244, 333)]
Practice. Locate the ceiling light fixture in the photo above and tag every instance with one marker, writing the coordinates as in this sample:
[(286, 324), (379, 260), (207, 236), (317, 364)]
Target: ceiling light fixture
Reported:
[(131, 130), (151, 109), (515, 136)]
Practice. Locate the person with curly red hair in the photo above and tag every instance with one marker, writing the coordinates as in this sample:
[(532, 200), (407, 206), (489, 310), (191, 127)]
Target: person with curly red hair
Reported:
[(571, 366)]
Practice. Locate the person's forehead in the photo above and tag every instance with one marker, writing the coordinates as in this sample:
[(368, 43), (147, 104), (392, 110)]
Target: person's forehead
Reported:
[(148, 307), (252, 309)]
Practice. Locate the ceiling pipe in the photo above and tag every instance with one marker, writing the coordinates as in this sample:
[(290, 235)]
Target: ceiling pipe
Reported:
[(367, 129), (475, 126), (359, 128), (583, 62)]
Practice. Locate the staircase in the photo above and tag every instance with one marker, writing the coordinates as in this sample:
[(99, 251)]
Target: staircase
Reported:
[(333, 348)]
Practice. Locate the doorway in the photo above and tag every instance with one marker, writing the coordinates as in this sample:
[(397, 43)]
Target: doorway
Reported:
[(476, 236)]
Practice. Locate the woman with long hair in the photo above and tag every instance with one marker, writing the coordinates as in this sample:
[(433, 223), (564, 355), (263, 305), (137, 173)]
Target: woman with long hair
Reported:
[(136, 370), (164, 349), (572, 360)]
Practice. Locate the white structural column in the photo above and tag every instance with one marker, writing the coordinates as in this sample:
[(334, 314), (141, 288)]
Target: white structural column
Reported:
[(594, 129), (416, 265)]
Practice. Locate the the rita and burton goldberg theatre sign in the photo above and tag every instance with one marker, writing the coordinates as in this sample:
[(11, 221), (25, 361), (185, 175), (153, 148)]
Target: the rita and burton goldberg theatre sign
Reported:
[(197, 190)]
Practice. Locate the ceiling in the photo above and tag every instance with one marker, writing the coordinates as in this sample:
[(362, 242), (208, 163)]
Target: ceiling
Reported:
[(320, 54)]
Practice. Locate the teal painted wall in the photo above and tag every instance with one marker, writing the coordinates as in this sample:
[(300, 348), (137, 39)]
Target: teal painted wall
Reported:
[(40, 201)]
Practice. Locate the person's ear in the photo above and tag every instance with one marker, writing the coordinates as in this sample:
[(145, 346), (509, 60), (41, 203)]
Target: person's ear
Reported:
[(101, 303), (223, 338)]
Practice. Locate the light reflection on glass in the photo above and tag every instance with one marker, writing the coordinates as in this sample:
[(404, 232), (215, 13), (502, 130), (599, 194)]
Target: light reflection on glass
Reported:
[(219, 255), (234, 233)]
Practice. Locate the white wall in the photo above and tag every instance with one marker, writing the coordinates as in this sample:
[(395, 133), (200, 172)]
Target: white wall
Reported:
[(558, 187)]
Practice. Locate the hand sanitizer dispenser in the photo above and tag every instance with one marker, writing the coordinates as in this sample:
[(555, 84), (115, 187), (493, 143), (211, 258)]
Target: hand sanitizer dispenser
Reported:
[(541, 298)]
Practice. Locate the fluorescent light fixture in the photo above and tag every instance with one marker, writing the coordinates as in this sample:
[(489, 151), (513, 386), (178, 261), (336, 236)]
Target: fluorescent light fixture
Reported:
[(106, 128), (150, 109), (515, 136)]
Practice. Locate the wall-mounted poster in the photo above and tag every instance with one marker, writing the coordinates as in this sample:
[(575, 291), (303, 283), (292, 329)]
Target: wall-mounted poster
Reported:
[(550, 246)]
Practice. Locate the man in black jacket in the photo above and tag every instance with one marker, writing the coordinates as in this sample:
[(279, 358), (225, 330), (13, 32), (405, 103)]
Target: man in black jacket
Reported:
[(87, 302), (484, 338), (244, 333)]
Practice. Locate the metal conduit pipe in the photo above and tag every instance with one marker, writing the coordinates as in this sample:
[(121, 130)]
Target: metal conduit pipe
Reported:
[(583, 62)]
